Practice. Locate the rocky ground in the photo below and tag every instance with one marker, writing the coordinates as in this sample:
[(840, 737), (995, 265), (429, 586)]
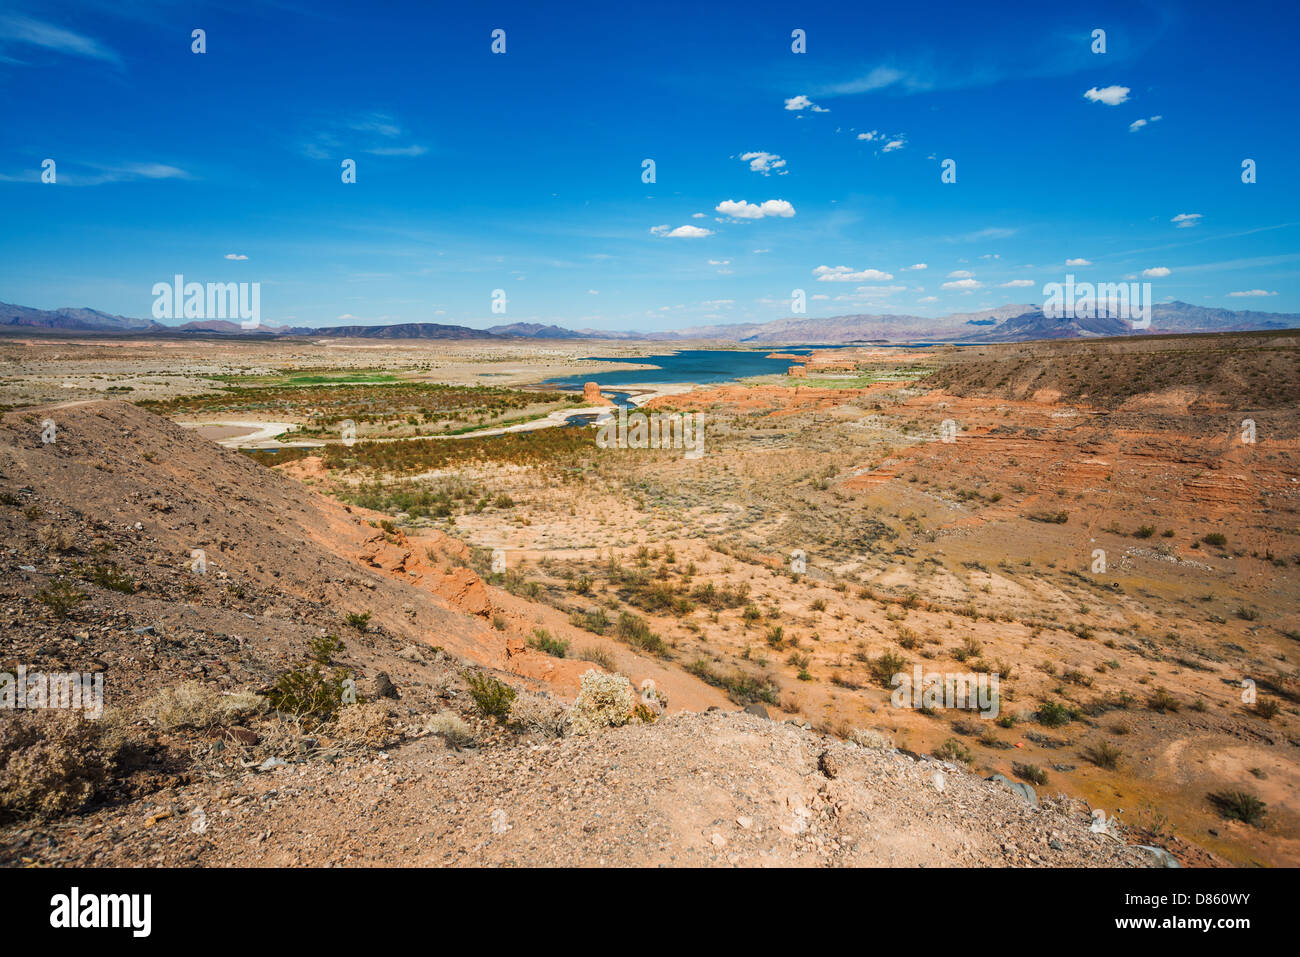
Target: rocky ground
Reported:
[(112, 510)]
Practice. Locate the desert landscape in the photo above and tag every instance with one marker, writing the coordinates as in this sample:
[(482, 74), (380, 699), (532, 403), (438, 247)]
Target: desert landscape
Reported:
[(465, 633)]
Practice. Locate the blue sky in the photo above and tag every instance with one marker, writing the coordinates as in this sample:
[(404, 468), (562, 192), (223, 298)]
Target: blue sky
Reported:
[(774, 170)]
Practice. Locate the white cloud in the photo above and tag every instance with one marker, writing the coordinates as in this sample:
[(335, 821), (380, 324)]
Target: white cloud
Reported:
[(915, 266), (413, 150), (1186, 220), (1078, 262), (593, 292), (681, 232), (699, 215), (1110, 95), (928, 299), (764, 163), (965, 285), (1159, 272), (746, 210), (37, 33), (1018, 284), (870, 135), (845, 274), (719, 262), (1138, 124), (960, 274), (1253, 292), (239, 257), (802, 102), (892, 145)]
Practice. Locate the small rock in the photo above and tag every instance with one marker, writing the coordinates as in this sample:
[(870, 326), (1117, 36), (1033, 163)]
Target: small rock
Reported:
[(827, 764)]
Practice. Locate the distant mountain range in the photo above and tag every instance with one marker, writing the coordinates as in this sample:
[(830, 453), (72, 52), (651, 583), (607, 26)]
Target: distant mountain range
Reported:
[(1010, 323)]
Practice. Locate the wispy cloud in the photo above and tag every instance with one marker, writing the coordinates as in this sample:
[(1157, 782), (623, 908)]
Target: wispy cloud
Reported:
[(370, 133), (18, 29), (102, 174), (765, 163)]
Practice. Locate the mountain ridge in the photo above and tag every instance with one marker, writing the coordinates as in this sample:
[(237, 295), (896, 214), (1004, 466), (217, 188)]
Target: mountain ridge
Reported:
[(1008, 323)]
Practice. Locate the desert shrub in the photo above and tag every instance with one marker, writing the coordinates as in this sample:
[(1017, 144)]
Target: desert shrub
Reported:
[(1217, 539), (51, 763), (1267, 708), (309, 694), (60, 597), (1240, 806), (545, 642), (886, 666), (740, 687), (597, 622), (604, 701), (1162, 700), (106, 576), (954, 750), (323, 648), (193, 704), (597, 656), (1053, 714), (492, 698), (1029, 772), (634, 630), (358, 620), (1104, 755)]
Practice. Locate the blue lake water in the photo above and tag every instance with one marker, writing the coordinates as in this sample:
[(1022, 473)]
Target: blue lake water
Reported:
[(691, 365)]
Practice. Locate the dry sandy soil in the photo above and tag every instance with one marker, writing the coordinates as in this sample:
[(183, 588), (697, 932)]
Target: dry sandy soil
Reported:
[(973, 555)]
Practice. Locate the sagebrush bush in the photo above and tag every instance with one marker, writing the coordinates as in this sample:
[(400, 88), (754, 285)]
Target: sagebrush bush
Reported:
[(51, 763), (604, 701)]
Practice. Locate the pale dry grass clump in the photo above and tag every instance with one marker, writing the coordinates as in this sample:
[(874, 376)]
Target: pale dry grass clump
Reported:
[(196, 705), (455, 729), (372, 725), (57, 538), (535, 712), (872, 739), (51, 762), (604, 701)]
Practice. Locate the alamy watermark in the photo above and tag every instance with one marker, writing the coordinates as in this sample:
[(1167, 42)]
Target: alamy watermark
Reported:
[(66, 690), (964, 692), (1116, 300), (676, 430), (215, 300)]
